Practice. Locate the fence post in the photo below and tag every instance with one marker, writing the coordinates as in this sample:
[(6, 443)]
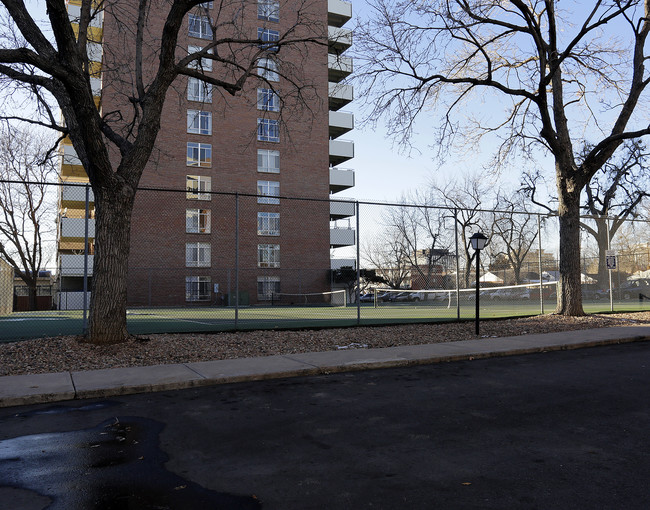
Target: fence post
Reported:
[(457, 265), (358, 292), (539, 262), (85, 304), (236, 260)]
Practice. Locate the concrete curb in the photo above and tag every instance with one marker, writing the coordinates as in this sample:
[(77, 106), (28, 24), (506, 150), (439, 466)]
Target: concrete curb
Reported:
[(41, 388)]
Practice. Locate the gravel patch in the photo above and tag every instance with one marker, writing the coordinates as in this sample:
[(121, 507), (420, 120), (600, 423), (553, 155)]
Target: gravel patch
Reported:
[(68, 353)]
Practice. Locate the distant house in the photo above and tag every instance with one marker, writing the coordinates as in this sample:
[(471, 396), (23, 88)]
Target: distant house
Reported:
[(6, 287)]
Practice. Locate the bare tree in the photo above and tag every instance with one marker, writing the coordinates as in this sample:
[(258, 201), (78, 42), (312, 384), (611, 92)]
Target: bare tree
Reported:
[(613, 196), (114, 144), (555, 75), (516, 230), (27, 207), (466, 203), (385, 254)]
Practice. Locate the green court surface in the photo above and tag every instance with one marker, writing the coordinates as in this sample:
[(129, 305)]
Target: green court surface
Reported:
[(143, 321)]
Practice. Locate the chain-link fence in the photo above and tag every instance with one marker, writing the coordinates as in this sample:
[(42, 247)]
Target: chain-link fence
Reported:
[(202, 260)]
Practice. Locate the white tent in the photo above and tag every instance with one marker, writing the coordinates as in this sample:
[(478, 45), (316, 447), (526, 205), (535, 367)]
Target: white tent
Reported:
[(490, 278)]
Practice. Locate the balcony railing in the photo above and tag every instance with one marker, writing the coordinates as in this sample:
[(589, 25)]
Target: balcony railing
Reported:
[(75, 227), (340, 94), (340, 123), (341, 151), (76, 194), (340, 210), (340, 237), (341, 179), (338, 12), (73, 265), (338, 67), (339, 39)]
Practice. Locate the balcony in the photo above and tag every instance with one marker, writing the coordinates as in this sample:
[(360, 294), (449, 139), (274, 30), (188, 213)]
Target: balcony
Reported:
[(341, 151), (338, 67), (341, 179), (75, 194), (340, 94), (340, 123), (340, 210), (341, 237), (338, 12), (75, 227), (73, 265), (339, 39)]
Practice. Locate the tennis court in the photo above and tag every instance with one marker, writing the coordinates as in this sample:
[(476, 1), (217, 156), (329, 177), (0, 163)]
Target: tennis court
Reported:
[(143, 321)]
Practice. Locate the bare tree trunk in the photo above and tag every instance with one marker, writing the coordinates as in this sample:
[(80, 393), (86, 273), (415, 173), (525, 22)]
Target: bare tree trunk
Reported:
[(31, 290), (569, 295), (107, 324)]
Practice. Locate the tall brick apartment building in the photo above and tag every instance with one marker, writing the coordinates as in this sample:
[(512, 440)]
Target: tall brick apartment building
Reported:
[(230, 161)]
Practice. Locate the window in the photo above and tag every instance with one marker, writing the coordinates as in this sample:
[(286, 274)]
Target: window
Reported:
[(268, 100), (266, 190), (198, 90), (267, 286), (197, 288), (268, 161), (199, 27), (197, 254), (198, 187), (268, 130), (199, 122), (268, 255), (268, 35), (199, 154), (268, 224), (206, 5), (268, 10), (267, 68), (197, 221), (205, 64)]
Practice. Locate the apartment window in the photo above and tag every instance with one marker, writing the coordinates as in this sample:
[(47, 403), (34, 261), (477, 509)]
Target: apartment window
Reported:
[(198, 187), (267, 286), (267, 68), (199, 122), (197, 221), (268, 161), (267, 35), (268, 10), (197, 288), (268, 224), (266, 191), (199, 27), (198, 90), (204, 64), (199, 154), (268, 100), (268, 255), (197, 254), (268, 130)]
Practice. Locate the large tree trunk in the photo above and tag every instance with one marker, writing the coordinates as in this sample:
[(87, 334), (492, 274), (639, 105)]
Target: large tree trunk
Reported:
[(569, 295), (107, 323)]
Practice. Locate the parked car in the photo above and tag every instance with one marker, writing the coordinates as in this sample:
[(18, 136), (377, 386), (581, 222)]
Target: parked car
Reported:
[(631, 289), (367, 298)]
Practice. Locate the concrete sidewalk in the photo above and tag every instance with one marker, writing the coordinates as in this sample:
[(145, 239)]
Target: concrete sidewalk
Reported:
[(33, 389)]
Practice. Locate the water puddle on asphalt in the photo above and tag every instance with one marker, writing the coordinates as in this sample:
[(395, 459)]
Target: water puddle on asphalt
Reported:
[(114, 466)]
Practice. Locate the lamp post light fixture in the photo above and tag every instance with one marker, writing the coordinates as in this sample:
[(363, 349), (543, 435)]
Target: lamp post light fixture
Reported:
[(478, 242)]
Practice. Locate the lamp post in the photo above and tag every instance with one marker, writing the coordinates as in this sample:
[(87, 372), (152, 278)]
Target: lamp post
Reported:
[(478, 242)]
